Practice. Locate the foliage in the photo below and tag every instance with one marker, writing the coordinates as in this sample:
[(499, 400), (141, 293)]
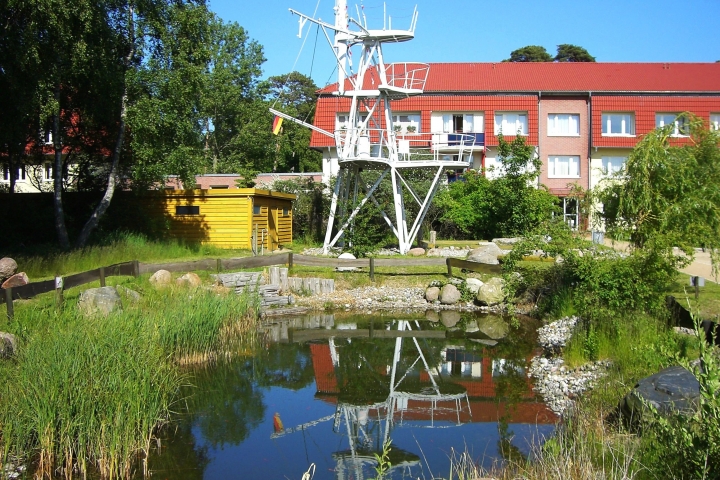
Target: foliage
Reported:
[(383, 460), (365, 234), (565, 53), (668, 196), (309, 207), (687, 444), (572, 53), (509, 205), (530, 53)]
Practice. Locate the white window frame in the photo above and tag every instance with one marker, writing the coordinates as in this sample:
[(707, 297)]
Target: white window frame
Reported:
[(715, 121), (613, 165), (510, 123), (627, 124), (405, 120), (680, 128), (20, 176), (555, 124), (343, 120), (443, 122), (555, 163), (47, 171)]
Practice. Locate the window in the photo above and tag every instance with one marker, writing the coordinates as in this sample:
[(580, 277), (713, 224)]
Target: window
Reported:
[(257, 209), (563, 124), (20, 173), (219, 187), (285, 212), (715, 121), (613, 165), (48, 172), (564, 166), (458, 123), (406, 122), (680, 126), (618, 124), (511, 123), (187, 210), (342, 122)]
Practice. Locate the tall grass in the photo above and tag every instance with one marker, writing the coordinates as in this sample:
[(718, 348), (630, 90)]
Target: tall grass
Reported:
[(122, 247), (89, 394)]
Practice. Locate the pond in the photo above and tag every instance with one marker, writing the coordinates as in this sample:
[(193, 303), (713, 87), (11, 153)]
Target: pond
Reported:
[(332, 390)]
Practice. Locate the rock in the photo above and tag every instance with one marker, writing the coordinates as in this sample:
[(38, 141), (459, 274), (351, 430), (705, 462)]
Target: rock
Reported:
[(8, 345), (449, 318), (553, 336), (416, 252), (434, 252), (491, 292), (671, 389), (191, 280), (347, 255), (128, 293), (17, 280), (486, 254), (161, 278), (103, 300), (346, 269), (493, 326), (432, 294), (8, 267), (432, 316), (473, 284), (472, 327), (449, 294), (489, 343), (506, 241)]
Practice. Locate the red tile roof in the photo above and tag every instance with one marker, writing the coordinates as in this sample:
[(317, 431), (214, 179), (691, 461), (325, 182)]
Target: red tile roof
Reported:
[(569, 77)]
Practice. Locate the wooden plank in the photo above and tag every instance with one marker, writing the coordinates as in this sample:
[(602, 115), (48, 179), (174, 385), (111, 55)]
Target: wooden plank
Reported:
[(207, 264), (81, 278), (119, 270), (472, 266), (30, 290), (254, 262)]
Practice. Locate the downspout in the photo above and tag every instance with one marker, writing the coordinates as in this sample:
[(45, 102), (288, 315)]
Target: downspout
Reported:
[(590, 137), (538, 138)]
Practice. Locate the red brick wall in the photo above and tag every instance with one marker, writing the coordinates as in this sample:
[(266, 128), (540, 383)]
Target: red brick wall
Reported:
[(564, 145)]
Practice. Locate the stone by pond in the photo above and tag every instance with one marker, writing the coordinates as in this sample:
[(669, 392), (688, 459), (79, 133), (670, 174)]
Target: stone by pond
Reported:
[(329, 390)]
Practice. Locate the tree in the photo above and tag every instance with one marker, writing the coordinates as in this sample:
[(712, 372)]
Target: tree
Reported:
[(510, 205), (294, 94), (531, 53), (667, 196), (572, 53)]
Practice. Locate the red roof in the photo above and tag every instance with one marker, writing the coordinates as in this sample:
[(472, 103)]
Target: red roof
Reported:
[(569, 77)]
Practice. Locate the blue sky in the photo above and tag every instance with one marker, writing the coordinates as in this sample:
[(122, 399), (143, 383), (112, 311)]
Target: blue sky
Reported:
[(487, 31)]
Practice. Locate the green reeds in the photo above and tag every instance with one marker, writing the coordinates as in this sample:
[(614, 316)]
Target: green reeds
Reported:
[(89, 393)]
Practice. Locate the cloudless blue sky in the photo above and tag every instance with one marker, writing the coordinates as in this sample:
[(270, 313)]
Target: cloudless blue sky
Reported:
[(487, 31)]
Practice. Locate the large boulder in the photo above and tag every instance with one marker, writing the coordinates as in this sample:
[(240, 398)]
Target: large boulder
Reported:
[(672, 389), (491, 292), (103, 300), (416, 252), (432, 294), (161, 278), (190, 280), (17, 280), (347, 256), (449, 318), (473, 284), (449, 294), (432, 316), (129, 294), (487, 253), (506, 241), (493, 326), (8, 345), (8, 267)]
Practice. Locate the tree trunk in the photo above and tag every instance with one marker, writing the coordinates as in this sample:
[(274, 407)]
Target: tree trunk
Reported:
[(60, 227), (12, 171), (113, 176)]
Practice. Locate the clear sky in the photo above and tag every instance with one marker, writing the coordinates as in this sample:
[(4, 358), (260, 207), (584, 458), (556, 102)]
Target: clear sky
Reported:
[(487, 31)]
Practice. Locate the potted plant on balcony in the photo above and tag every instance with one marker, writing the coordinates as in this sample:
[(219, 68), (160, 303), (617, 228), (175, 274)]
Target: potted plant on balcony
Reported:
[(397, 128), (411, 128)]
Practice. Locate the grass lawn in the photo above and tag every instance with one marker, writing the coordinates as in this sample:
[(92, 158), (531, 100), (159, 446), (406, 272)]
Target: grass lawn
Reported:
[(707, 305)]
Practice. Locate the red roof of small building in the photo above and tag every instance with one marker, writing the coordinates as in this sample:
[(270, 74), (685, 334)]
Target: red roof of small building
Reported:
[(568, 77)]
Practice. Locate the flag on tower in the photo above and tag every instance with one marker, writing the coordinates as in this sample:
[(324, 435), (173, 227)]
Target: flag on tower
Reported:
[(277, 125)]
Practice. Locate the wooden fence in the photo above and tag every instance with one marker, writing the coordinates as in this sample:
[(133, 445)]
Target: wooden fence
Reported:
[(135, 268)]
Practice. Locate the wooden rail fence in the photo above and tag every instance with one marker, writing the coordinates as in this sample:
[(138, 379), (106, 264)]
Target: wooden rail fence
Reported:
[(135, 268)]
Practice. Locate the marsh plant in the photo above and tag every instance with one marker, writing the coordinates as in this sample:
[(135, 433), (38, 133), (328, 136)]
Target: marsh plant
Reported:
[(89, 394)]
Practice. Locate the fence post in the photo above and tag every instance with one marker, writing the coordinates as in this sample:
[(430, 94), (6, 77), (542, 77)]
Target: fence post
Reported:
[(59, 291), (9, 302), (102, 276), (290, 260), (372, 269), (136, 268), (219, 265), (449, 266)]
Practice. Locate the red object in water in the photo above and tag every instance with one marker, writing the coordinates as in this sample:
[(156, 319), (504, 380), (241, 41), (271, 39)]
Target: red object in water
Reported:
[(277, 423)]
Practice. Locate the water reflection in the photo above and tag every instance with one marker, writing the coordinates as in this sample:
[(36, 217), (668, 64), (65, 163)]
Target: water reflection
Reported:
[(332, 391)]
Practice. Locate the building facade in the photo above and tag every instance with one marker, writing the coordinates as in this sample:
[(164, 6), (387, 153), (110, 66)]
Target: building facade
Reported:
[(582, 118)]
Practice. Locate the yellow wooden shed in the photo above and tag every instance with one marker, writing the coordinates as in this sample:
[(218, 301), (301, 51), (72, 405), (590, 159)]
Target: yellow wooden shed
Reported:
[(227, 218)]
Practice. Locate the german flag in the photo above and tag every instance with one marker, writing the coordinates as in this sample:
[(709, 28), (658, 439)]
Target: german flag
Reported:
[(277, 125)]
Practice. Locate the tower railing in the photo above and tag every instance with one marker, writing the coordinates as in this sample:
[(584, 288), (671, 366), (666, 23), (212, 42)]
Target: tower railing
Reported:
[(379, 145), (407, 75)]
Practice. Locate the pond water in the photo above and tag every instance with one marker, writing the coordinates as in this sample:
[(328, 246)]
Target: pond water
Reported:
[(331, 391)]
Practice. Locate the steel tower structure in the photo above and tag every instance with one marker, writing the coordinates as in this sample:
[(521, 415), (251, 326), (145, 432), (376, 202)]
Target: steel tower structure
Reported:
[(368, 139)]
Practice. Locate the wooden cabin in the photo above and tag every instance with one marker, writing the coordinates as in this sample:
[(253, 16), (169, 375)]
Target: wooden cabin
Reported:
[(227, 218)]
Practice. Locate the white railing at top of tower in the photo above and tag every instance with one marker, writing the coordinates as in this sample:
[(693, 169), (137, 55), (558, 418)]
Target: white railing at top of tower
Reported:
[(407, 75), (378, 144)]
